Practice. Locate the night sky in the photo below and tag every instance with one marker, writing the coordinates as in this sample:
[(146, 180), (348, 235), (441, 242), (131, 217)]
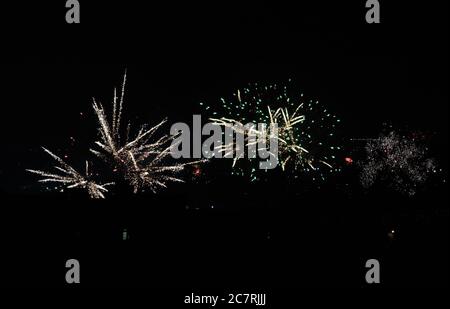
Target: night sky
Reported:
[(217, 230)]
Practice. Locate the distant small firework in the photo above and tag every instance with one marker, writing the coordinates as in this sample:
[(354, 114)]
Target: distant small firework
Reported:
[(70, 178), (400, 161), (307, 141), (142, 162)]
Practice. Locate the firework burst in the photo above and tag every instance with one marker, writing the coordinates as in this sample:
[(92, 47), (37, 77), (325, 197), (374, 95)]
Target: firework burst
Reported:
[(400, 161), (306, 130), (143, 161), (70, 178)]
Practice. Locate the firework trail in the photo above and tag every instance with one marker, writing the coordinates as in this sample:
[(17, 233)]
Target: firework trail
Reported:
[(306, 130), (70, 178), (397, 160)]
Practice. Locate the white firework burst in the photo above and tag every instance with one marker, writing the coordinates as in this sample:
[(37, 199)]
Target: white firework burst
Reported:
[(142, 161), (71, 178), (289, 148), (402, 162)]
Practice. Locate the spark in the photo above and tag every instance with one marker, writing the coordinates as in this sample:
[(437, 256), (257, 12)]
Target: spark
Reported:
[(197, 171)]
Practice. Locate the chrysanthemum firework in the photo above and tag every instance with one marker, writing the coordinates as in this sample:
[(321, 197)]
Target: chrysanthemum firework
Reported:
[(307, 142)]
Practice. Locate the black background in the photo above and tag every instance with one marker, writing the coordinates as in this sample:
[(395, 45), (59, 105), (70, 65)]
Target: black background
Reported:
[(257, 236)]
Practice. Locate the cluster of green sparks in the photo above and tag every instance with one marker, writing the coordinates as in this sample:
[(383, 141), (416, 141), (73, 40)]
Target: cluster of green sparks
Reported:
[(307, 141)]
